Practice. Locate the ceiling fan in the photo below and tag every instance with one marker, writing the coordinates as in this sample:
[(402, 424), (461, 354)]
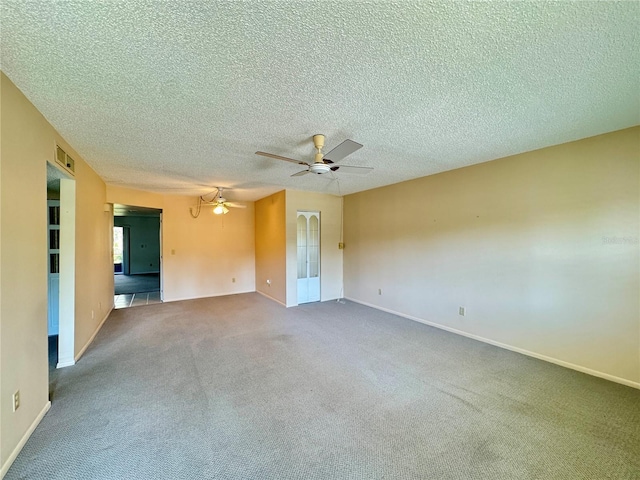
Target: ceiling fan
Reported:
[(325, 162), (218, 202)]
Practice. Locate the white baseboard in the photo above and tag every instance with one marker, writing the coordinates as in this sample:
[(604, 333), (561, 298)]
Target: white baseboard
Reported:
[(562, 363), (86, 345), (23, 440), (271, 298), (66, 363), (182, 299)]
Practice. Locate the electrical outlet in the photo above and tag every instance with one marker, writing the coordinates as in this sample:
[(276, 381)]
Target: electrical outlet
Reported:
[(269, 282), (462, 311), (379, 291), (93, 315), (233, 280), (16, 400)]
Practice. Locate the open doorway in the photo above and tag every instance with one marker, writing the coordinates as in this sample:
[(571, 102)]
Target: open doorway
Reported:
[(137, 260), (61, 201)]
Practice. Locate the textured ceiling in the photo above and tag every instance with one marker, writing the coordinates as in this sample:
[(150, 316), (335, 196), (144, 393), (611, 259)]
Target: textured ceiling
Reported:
[(176, 97)]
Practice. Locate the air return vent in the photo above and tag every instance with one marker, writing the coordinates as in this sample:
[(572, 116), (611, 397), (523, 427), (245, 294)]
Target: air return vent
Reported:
[(65, 160)]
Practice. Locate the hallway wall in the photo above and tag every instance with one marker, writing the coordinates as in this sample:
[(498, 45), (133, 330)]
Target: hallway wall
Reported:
[(28, 143)]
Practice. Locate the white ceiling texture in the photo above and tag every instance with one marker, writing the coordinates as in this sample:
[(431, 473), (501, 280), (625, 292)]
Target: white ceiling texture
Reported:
[(176, 97)]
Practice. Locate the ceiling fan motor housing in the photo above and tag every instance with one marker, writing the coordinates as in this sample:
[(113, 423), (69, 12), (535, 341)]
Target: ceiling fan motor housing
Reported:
[(320, 168)]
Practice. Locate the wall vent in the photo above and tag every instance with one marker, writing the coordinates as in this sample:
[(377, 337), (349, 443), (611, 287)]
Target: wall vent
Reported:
[(65, 160)]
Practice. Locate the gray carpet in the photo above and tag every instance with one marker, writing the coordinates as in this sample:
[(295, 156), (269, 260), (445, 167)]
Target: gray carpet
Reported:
[(239, 387), (148, 282)]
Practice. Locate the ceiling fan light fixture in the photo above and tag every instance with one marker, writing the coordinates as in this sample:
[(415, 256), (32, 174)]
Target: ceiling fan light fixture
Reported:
[(319, 168), (220, 209)]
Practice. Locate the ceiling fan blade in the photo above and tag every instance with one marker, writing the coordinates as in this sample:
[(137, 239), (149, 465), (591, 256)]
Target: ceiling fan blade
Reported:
[(299, 174), (234, 205), (345, 148), (350, 169), (278, 157)]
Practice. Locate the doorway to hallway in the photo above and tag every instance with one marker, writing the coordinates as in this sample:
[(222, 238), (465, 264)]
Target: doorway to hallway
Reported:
[(137, 259)]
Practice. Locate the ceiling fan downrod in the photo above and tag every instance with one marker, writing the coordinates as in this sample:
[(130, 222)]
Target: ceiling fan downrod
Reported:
[(319, 167)]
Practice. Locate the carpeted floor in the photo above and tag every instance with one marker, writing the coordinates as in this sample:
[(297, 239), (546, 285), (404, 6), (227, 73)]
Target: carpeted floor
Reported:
[(148, 282), (239, 387)]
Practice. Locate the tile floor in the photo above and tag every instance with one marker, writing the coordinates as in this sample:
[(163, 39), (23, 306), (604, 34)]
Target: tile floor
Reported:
[(126, 300)]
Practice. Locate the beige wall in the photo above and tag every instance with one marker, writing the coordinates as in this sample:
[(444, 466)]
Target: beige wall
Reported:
[(271, 248), (94, 260), (200, 256), (330, 208), (27, 141), (133, 197), (541, 248)]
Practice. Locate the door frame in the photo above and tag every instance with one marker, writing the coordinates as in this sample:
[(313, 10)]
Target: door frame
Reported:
[(126, 238), (67, 315)]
